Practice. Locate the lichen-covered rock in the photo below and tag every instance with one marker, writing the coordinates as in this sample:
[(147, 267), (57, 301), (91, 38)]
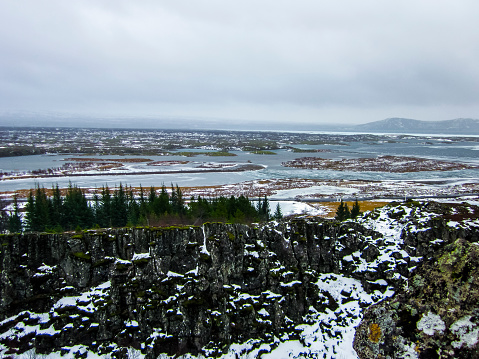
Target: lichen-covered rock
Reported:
[(436, 316)]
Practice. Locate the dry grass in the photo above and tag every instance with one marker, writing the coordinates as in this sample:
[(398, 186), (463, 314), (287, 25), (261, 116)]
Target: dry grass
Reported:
[(331, 207)]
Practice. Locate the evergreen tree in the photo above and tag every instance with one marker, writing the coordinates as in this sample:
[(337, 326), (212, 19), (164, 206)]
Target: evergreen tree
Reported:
[(119, 208), (42, 209), (74, 211), (38, 209), (342, 212), (247, 208), (347, 212), (103, 212), (152, 196), (57, 211), (30, 220), (14, 220), (259, 206), (177, 201), (4, 217), (220, 209), (199, 209), (143, 209), (133, 209), (160, 205), (164, 201), (265, 210), (96, 209), (278, 214), (142, 195), (77, 210), (232, 207), (355, 210)]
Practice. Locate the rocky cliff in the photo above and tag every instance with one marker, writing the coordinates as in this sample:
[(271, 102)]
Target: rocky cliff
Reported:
[(437, 316), (296, 288)]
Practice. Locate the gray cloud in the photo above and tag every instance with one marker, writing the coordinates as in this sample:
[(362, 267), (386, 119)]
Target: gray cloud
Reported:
[(264, 60)]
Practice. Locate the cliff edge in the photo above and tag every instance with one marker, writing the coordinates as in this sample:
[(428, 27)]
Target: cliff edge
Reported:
[(283, 289)]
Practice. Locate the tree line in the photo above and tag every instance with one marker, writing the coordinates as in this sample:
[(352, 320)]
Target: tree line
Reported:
[(50, 211)]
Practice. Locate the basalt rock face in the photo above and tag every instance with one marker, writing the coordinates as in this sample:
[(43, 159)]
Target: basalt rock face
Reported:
[(205, 289), (437, 316), (176, 289)]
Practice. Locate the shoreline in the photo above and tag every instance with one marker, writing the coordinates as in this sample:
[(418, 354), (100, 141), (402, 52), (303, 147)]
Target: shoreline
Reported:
[(244, 168), (309, 190)]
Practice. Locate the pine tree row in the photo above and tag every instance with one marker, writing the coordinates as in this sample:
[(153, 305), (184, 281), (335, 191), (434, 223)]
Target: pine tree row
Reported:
[(121, 207)]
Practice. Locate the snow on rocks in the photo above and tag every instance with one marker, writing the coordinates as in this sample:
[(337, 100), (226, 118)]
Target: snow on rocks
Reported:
[(284, 289), (434, 316), (86, 302)]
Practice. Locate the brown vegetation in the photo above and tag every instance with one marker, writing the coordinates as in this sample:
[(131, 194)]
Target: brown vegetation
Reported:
[(394, 164)]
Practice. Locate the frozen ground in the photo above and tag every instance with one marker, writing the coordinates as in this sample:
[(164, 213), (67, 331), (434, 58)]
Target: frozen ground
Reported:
[(290, 208)]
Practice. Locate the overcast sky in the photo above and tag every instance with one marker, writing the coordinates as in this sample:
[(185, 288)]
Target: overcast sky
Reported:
[(302, 61)]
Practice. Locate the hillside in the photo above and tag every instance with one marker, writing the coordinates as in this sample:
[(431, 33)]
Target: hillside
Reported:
[(462, 126), (293, 289)]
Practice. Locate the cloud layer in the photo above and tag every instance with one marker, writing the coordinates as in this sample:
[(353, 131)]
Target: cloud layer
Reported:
[(268, 61)]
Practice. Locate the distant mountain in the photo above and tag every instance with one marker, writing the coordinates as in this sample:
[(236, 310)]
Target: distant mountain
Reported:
[(460, 126)]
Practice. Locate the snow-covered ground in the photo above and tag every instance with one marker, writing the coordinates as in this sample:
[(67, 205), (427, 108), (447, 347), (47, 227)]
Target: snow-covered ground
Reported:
[(328, 190), (291, 208)]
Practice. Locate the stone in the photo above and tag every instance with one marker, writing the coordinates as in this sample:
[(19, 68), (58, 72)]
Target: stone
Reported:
[(435, 317)]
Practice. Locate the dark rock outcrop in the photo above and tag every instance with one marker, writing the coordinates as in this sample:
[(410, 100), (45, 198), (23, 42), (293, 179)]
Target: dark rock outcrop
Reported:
[(176, 289), (201, 289), (436, 316)]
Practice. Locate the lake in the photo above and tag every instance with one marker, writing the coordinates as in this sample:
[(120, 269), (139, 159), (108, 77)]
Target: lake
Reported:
[(452, 149)]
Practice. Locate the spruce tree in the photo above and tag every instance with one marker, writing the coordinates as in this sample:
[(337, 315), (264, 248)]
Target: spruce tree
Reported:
[(355, 210), (152, 196), (37, 211), (161, 204), (30, 217), (347, 212), (259, 206), (57, 210), (177, 201), (133, 209), (265, 210), (343, 212), (143, 210), (4, 217), (119, 208), (14, 220), (77, 210), (232, 206), (247, 208), (104, 213), (220, 209), (278, 214)]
